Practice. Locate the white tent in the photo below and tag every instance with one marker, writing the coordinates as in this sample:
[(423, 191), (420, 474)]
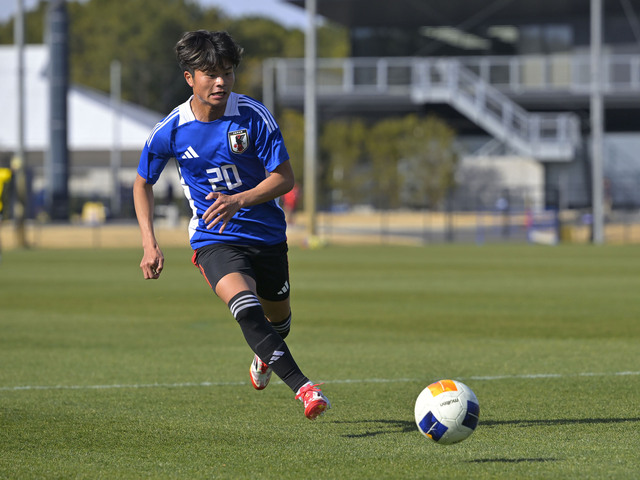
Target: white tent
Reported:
[(90, 127), (90, 114)]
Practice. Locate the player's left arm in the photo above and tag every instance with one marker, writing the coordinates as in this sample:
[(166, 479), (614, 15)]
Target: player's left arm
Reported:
[(224, 207)]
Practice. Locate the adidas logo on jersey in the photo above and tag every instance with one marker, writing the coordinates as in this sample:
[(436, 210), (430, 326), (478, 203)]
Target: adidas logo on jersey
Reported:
[(190, 153)]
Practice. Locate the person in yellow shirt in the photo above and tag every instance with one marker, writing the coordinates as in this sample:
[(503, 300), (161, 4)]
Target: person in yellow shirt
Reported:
[(5, 178)]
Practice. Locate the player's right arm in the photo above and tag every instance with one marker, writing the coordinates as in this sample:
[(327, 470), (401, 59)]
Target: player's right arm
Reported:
[(143, 199)]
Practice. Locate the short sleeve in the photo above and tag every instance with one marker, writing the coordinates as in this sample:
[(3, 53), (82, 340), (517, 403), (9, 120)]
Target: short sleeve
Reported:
[(154, 157)]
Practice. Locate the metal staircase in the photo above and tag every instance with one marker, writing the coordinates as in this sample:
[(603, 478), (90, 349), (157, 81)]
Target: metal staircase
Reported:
[(545, 136)]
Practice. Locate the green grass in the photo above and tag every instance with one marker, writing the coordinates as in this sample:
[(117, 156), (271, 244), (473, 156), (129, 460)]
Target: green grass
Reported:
[(105, 375)]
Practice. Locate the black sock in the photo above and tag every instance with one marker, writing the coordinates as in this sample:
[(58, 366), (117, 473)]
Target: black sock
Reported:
[(264, 340), (283, 327)]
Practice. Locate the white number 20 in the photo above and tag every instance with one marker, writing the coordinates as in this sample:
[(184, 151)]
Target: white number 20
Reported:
[(227, 174)]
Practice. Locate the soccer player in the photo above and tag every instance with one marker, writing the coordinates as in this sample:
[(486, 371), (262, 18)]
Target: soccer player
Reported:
[(233, 165)]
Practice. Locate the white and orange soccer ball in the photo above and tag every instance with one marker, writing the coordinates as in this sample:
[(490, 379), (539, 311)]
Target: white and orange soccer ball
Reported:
[(447, 412)]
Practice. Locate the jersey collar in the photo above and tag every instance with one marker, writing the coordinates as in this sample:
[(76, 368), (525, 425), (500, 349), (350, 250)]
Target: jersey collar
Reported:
[(231, 109)]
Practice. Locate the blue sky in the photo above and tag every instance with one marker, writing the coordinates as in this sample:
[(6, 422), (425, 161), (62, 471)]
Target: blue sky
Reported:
[(278, 10)]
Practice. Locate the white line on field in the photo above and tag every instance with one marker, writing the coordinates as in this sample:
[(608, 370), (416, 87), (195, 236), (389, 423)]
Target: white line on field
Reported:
[(533, 376)]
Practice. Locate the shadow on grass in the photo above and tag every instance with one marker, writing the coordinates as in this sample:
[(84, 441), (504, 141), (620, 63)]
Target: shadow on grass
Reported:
[(558, 421), (543, 422), (379, 427), (386, 426)]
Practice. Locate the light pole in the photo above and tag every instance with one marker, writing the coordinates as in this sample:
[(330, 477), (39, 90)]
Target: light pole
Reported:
[(310, 121), (597, 124)]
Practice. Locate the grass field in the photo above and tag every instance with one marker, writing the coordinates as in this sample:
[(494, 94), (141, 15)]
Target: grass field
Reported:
[(105, 375)]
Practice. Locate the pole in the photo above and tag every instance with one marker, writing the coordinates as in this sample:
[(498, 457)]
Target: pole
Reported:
[(116, 150), (18, 163), (58, 157), (597, 124), (310, 121)]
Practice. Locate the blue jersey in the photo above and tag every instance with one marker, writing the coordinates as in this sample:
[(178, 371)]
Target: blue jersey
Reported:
[(229, 155)]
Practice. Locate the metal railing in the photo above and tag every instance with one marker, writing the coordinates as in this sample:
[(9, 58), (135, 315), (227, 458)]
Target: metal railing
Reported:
[(560, 73), (479, 87), (552, 136), (556, 73)]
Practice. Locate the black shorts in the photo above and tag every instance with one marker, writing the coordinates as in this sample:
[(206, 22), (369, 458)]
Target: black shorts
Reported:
[(268, 265)]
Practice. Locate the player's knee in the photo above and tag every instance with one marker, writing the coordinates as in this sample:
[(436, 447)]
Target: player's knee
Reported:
[(259, 334), (284, 327), (245, 306)]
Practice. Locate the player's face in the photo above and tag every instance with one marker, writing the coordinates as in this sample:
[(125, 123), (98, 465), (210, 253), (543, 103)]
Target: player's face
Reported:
[(212, 88)]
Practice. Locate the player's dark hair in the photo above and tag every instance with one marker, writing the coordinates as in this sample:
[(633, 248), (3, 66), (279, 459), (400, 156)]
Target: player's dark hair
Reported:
[(204, 50)]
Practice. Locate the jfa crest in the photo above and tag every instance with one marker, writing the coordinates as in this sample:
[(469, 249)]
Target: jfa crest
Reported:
[(239, 141)]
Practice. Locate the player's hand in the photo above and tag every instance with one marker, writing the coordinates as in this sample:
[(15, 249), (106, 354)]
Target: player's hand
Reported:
[(152, 263), (222, 210)]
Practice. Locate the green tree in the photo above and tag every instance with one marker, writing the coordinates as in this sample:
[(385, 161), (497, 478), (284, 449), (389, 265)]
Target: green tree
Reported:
[(261, 38), (103, 30), (141, 34), (138, 33), (428, 169), (291, 124), (385, 151), (343, 147), (333, 42), (33, 25), (413, 160)]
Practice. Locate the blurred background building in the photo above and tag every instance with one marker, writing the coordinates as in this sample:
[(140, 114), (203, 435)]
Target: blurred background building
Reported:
[(95, 129), (508, 82), (512, 78)]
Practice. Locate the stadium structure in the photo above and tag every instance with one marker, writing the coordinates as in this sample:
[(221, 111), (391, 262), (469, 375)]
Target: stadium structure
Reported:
[(512, 77)]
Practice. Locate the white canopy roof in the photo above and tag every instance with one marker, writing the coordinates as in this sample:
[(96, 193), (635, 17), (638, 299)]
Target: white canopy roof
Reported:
[(90, 116)]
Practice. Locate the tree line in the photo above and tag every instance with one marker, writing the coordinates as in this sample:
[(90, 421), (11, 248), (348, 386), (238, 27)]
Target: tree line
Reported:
[(404, 161), (141, 34)]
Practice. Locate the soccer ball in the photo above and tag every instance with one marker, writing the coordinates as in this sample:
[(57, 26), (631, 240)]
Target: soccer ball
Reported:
[(447, 412)]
